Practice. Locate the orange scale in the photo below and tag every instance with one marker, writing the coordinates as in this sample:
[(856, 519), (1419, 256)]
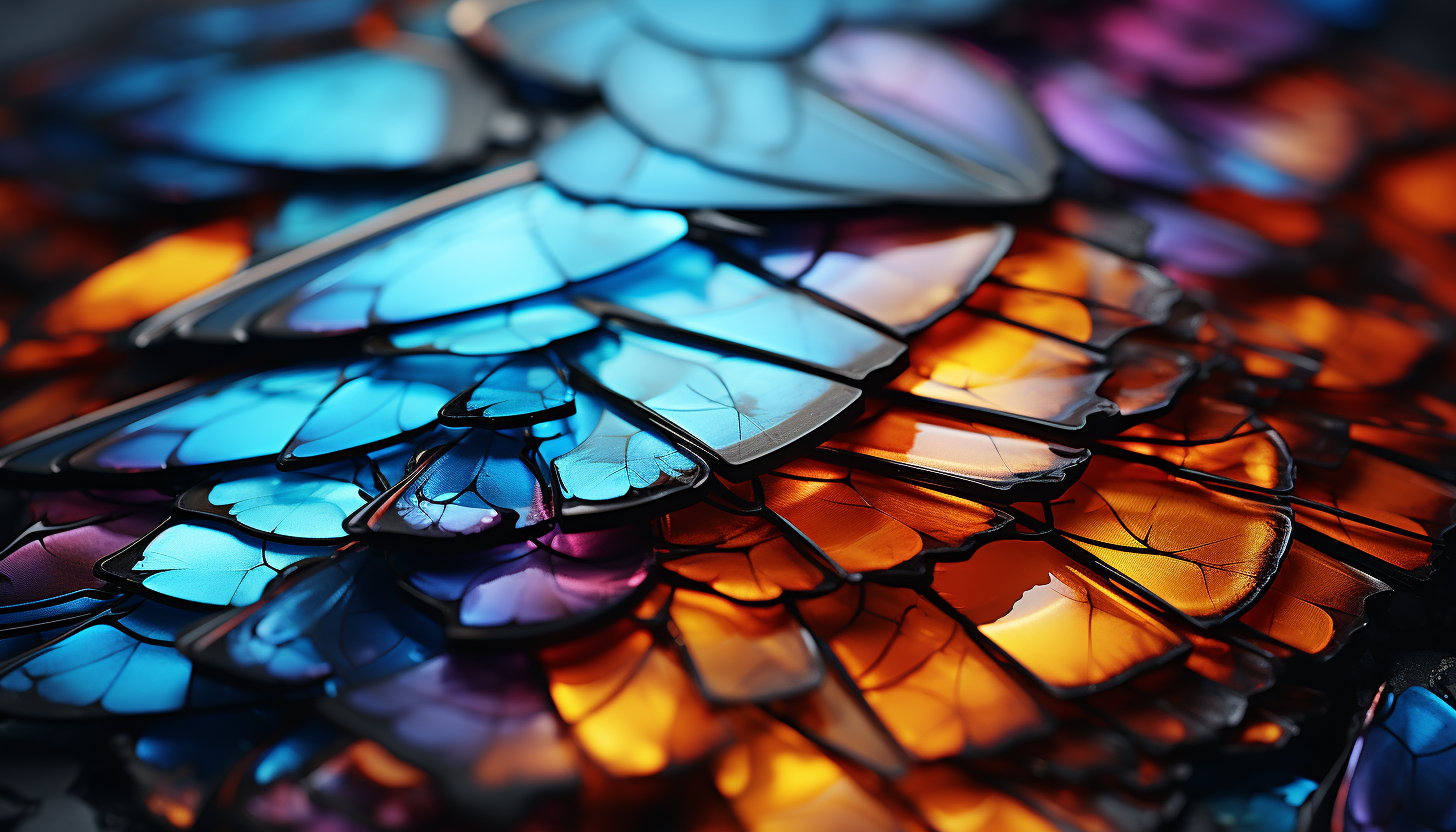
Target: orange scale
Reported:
[(1146, 375), (867, 522), (1059, 315), (1203, 708), (1312, 438), (1411, 410), (744, 557), (1274, 365), (151, 279), (1237, 668), (933, 687), (36, 354), (778, 781), (1361, 347), (1414, 555), (971, 361), (1259, 459), (744, 654), (1197, 419), (1150, 723), (953, 452), (631, 706), (1047, 311), (1377, 489), (383, 768), (953, 800), (1205, 553), (1078, 750), (1069, 628), (1150, 774), (653, 607), (1047, 262), (1267, 334), (1425, 261), (49, 404), (1395, 100), (1420, 190), (1441, 412), (1264, 732), (173, 805), (1430, 448), (1283, 221), (1315, 603), (762, 573), (835, 716)]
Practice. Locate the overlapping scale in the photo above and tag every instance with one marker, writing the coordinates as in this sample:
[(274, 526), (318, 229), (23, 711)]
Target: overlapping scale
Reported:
[(918, 444), (340, 620), (687, 289), (797, 133), (1218, 439), (863, 114), (1315, 602), (935, 688), (495, 330), (630, 703), (516, 392), (744, 654), (537, 589), (741, 554), (866, 522), (309, 505), (475, 487), (1146, 377), (605, 467), (205, 563), (1068, 627), (121, 661), (994, 368), (739, 411), (224, 421), (835, 716), (1395, 514), (500, 248), (477, 723), (573, 518), (750, 772), (375, 404), (1206, 553), (372, 273), (603, 159)]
